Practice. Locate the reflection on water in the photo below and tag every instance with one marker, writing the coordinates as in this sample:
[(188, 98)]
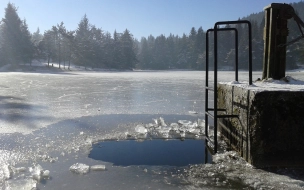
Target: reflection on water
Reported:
[(151, 152)]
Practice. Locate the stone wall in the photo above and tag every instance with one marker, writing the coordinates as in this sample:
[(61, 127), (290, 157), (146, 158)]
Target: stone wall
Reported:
[(270, 126)]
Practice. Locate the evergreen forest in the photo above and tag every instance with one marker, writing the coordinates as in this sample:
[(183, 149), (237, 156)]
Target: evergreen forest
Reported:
[(92, 47)]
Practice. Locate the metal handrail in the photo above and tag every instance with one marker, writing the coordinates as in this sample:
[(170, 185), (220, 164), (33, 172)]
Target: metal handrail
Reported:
[(207, 109), (215, 30)]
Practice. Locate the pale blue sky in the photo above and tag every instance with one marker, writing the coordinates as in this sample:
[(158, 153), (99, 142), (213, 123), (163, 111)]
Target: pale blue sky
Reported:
[(140, 17)]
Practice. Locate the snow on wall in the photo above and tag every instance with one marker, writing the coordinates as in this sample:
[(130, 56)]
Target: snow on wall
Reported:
[(285, 84)]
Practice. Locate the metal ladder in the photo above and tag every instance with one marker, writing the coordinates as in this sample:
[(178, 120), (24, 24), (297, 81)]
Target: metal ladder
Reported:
[(213, 144)]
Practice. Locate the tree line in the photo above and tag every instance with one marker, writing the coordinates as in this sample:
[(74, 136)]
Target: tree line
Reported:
[(86, 46), (90, 46)]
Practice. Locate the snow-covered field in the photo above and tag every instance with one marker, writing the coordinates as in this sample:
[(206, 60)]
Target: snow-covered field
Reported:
[(48, 122)]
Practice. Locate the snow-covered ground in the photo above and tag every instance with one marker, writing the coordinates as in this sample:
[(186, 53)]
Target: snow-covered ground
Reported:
[(49, 121)]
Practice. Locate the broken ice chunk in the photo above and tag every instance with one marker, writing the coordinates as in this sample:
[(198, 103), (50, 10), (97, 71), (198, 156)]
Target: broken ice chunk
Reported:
[(160, 122), (98, 168), (164, 131), (184, 122), (182, 134), (149, 125), (46, 174), (20, 169), (21, 184), (174, 126), (201, 123), (141, 129), (191, 128), (38, 172), (80, 168), (7, 171)]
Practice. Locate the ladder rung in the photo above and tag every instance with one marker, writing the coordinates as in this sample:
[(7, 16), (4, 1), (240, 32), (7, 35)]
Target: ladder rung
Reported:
[(225, 116), (212, 109), (222, 116)]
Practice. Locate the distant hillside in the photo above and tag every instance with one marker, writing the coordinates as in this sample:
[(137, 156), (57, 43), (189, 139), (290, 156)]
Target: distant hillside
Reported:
[(255, 16), (299, 8)]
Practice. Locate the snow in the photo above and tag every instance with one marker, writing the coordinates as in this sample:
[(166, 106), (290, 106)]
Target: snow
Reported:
[(287, 83)]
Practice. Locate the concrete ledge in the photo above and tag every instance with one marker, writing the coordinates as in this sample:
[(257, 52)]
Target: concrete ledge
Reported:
[(270, 127)]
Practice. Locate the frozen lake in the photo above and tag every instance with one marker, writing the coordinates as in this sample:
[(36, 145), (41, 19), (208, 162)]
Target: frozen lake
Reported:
[(49, 122)]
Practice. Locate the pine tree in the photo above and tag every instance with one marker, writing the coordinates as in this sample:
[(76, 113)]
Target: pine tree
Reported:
[(182, 62), (26, 45), (201, 48), (192, 49), (98, 50), (171, 51), (108, 49), (129, 56), (11, 35), (69, 43), (47, 46), (83, 51), (117, 61), (36, 40), (36, 37), (143, 54)]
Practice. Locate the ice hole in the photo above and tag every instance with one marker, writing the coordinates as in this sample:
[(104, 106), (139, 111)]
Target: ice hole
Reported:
[(152, 152)]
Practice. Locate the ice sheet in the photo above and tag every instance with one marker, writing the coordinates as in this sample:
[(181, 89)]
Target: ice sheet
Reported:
[(52, 119)]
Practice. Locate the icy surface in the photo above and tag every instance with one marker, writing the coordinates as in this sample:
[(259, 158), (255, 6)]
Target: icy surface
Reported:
[(33, 100), (49, 121), (229, 169)]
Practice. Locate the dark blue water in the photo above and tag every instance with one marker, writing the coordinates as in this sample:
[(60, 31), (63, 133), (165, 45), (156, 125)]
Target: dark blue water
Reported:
[(151, 152)]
